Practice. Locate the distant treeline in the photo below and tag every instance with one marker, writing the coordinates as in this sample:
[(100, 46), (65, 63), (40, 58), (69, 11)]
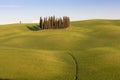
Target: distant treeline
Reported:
[(54, 23)]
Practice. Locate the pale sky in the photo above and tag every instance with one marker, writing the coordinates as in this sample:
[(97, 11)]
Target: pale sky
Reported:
[(12, 11)]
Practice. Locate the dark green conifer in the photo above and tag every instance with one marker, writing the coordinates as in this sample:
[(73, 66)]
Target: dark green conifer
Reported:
[(41, 23)]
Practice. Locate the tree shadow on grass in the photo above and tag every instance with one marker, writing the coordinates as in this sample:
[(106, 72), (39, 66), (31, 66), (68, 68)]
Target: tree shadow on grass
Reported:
[(34, 28)]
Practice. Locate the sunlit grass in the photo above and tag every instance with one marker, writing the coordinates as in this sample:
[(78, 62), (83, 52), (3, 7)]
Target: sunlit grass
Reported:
[(43, 55)]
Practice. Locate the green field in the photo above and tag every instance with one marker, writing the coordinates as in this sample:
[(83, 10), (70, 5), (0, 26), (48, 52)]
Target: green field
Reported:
[(44, 54)]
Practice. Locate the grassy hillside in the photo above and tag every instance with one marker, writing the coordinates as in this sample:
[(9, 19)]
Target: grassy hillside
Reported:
[(43, 55)]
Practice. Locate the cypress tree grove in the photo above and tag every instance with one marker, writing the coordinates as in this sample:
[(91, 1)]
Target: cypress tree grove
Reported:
[(54, 23)]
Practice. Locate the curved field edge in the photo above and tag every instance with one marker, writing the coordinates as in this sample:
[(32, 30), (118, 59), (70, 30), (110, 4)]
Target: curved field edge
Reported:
[(19, 63)]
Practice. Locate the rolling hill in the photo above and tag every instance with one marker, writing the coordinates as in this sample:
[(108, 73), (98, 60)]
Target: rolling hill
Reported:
[(43, 54)]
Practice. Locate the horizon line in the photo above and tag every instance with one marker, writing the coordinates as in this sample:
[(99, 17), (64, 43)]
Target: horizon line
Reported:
[(27, 22)]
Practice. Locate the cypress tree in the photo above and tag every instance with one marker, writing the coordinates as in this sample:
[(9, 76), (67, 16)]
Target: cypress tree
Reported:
[(41, 23), (61, 23), (54, 23), (68, 22), (51, 22)]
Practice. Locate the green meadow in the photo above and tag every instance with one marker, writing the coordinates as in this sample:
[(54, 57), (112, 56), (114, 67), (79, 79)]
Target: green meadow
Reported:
[(44, 54)]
